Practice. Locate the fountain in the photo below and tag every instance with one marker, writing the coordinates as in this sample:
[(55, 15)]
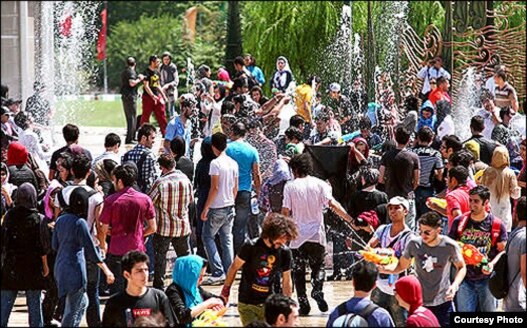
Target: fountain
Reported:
[(465, 104), (66, 66)]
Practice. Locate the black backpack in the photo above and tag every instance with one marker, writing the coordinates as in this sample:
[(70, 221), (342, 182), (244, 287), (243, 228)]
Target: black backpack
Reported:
[(350, 317), (81, 197), (499, 283)]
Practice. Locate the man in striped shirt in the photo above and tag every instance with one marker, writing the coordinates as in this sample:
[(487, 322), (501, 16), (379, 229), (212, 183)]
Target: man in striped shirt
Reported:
[(171, 195), (505, 93)]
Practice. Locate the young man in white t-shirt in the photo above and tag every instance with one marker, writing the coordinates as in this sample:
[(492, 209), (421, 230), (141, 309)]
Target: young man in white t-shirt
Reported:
[(305, 199), (218, 212)]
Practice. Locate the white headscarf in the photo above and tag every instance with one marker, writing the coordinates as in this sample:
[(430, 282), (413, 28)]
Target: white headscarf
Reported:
[(279, 77)]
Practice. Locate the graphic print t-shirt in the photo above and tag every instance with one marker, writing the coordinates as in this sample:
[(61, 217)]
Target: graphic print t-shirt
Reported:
[(149, 303), (479, 235), (261, 266), (153, 80)]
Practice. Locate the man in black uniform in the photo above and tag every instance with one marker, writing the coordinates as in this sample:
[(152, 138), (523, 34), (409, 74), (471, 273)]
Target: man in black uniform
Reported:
[(129, 84)]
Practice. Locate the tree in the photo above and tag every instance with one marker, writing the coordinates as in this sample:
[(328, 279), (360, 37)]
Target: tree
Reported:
[(234, 36)]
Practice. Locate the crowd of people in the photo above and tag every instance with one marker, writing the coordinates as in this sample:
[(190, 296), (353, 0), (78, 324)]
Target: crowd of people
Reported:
[(404, 206)]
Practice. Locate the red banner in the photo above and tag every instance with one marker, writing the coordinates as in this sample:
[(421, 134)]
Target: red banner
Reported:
[(101, 42), (65, 25)]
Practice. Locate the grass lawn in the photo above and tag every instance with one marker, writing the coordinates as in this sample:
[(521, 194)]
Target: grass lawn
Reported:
[(93, 113)]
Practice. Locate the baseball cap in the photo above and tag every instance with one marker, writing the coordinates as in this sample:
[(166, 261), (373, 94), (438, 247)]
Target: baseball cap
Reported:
[(334, 87), (12, 101), (398, 200)]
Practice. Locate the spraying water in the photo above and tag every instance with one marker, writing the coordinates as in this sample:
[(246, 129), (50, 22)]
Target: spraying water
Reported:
[(465, 104)]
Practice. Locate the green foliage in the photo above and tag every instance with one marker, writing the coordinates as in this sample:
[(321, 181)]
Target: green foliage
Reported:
[(298, 30), (423, 13)]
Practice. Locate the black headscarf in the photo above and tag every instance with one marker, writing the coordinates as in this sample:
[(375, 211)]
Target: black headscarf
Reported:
[(26, 196)]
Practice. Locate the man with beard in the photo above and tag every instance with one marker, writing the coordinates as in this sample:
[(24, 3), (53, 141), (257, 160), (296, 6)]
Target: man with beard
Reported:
[(181, 125), (154, 98)]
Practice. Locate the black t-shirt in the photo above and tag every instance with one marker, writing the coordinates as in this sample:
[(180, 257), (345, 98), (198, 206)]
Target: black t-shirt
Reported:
[(153, 79), (486, 148), (127, 75), (149, 303), (399, 170), (363, 201), (259, 270), (56, 154)]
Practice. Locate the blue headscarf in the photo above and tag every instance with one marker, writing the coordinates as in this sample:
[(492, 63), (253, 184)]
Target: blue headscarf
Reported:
[(430, 122), (186, 274)]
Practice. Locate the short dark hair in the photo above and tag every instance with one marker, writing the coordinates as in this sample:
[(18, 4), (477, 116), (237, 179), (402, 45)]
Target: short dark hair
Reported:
[(501, 74), (296, 121), (145, 130), (402, 135), (452, 142), (239, 129), (67, 160), (239, 60), (364, 275), (301, 164), (294, 133), (477, 123), (81, 166), (365, 123), (460, 173), (70, 133), (441, 80), (482, 191), (313, 78), (127, 173), (22, 120), (461, 157), (131, 258), (277, 225), (219, 141), (431, 219), (277, 304), (152, 58), (521, 209), (166, 161), (178, 147), (111, 140), (506, 110), (425, 134), (257, 88), (227, 107)]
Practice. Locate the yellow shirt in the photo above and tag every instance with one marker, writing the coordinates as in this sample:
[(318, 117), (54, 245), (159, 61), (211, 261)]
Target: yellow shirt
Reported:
[(304, 94)]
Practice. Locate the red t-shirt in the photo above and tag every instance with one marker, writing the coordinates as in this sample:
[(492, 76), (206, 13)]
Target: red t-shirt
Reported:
[(457, 199), (437, 94), (422, 317), (125, 212)]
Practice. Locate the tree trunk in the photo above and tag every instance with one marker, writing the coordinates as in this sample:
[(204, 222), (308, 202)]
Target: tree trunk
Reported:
[(234, 35)]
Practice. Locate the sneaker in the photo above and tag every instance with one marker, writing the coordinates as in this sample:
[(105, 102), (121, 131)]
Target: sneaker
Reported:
[(319, 297), (304, 307), (214, 281)]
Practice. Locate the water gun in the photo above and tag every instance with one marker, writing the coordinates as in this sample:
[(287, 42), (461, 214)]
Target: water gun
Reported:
[(382, 256), (472, 256), (348, 137), (441, 202), (210, 318)]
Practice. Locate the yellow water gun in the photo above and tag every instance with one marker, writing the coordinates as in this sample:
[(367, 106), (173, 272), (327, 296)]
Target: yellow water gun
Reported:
[(441, 202), (210, 318), (382, 256)]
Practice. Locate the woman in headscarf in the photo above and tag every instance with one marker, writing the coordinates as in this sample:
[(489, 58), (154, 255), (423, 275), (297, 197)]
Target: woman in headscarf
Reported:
[(73, 243), (24, 261), (502, 183), (445, 123), (283, 76), (18, 165), (187, 298), (409, 295)]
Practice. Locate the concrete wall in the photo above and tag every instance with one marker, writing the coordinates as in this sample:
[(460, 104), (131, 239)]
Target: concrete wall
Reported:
[(18, 47)]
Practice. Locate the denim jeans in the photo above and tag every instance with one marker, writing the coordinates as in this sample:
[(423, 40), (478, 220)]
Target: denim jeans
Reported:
[(8, 298), (161, 244), (421, 195), (93, 313), (76, 304), (389, 302), (442, 312), (219, 221), (243, 210), (114, 264), (475, 296)]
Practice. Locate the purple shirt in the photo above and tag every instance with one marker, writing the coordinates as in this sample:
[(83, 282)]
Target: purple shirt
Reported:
[(125, 212)]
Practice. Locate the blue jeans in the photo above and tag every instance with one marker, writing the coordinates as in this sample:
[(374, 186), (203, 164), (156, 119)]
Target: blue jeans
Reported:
[(421, 194), (442, 312), (93, 313), (389, 302), (34, 305), (219, 221), (76, 304), (243, 209), (475, 296)]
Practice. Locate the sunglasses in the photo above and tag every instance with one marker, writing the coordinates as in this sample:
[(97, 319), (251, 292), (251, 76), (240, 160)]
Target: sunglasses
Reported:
[(426, 232)]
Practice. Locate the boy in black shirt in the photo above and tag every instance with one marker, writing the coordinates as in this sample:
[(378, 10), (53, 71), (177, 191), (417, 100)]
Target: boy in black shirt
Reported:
[(261, 259), (123, 308)]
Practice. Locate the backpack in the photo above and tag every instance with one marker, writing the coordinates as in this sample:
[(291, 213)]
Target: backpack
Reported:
[(86, 195), (495, 230), (499, 279), (346, 319)]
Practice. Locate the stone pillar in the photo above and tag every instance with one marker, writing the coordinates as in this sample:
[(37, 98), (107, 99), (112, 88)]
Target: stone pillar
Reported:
[(25, 83)]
